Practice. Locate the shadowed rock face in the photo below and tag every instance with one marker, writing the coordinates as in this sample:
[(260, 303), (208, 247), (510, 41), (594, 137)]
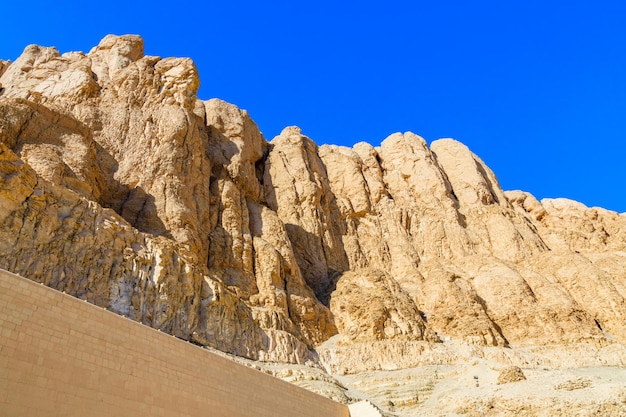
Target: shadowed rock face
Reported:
[(120, 187)]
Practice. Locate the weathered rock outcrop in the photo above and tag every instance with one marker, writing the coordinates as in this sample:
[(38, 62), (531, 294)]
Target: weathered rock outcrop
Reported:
[(114, 129), (511, 374), (120, 187)]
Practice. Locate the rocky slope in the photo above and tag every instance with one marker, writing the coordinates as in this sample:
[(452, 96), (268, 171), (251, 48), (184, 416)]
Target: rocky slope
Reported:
[(119, 186)]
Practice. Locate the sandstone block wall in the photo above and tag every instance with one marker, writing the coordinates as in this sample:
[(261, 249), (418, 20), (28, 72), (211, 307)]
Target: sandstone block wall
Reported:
[(364, 409), (62, 356)]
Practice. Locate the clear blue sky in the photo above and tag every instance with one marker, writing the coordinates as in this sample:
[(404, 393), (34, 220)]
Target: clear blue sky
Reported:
[(536, 88)]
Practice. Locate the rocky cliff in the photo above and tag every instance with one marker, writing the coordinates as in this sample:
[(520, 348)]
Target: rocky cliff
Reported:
[(119, 186)]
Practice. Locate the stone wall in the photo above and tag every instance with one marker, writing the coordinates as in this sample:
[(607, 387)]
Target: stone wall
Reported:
[(62, 356)]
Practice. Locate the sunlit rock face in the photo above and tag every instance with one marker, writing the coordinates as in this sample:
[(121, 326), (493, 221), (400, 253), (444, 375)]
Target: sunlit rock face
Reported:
[(119, 186)]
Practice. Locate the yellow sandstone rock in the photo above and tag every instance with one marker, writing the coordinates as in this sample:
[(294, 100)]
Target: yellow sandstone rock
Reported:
[(119, 186)]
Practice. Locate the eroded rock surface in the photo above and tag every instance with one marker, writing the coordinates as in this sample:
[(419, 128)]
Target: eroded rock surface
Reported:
[(119, 186), (188, 248)]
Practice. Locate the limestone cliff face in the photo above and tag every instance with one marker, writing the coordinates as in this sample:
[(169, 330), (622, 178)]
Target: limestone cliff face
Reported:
[(187, 247), (120, 187)]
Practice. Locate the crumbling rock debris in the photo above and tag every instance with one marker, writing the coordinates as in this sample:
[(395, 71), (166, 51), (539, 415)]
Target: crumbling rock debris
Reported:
[(511, 374), (574, 384)]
